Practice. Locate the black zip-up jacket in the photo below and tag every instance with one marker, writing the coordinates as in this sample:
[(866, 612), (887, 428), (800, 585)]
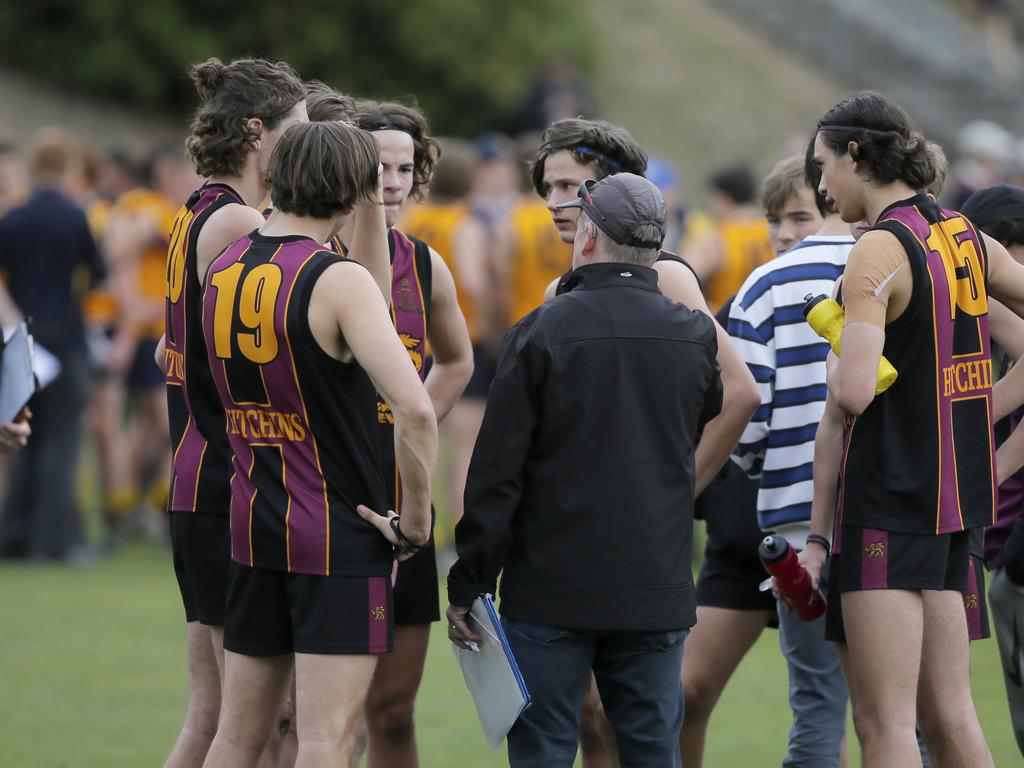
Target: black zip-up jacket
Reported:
[(581, 485)]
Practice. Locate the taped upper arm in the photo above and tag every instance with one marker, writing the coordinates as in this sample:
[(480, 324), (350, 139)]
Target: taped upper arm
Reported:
[(877, 274)]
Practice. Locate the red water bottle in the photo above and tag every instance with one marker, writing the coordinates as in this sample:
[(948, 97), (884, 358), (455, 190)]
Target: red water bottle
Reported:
[(791, 579)]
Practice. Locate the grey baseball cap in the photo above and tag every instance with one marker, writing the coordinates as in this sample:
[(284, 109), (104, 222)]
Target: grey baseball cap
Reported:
[(618, 205)]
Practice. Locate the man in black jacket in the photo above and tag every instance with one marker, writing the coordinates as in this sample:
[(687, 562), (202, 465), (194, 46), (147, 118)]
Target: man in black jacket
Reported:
[(581, 489)]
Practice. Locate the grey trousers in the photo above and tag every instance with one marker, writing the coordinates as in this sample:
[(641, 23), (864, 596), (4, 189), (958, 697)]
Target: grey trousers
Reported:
[(1007, 604), (817, 693)]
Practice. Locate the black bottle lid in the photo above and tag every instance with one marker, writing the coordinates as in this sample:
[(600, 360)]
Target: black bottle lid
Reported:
[(811, 301), (773, 548)]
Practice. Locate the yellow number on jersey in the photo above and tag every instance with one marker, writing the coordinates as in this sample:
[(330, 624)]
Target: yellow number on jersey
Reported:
[(964, 272), (257, 302), (176, 257)]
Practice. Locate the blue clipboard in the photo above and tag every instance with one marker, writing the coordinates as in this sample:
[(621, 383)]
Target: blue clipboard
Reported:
[(492, 675)]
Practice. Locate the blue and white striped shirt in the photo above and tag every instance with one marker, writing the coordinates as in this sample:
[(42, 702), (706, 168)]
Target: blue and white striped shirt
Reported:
[(787, 359)]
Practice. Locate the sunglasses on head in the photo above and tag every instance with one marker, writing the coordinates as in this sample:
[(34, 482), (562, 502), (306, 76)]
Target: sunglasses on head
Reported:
[(585, 195)]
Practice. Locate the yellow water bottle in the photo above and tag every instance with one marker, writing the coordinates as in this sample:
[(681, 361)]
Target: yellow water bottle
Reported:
[(826, 317)]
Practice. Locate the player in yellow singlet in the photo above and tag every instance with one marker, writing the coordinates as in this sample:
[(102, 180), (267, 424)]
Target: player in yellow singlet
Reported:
[(447, 222), (104, 179), (99, 306), (139, 226), (537, 256), (738, 244), (533, 253)]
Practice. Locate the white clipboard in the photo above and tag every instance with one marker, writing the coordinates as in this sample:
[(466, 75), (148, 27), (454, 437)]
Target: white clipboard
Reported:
[(492, 675), (17, 373)]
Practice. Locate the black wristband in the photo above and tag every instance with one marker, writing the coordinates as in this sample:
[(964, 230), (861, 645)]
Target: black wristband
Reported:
[(818, 539), (404, 542)]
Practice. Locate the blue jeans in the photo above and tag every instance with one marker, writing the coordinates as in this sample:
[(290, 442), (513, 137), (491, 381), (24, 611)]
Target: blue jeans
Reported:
[(637, 674), (817, 692)]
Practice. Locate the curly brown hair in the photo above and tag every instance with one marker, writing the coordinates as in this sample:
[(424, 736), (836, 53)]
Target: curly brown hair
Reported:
[(218, 138), (393, 116), (322, 169), (325, 103), (607, 148), (889, 146)]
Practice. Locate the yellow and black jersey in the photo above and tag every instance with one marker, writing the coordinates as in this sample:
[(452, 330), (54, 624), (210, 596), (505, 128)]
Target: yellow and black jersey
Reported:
[(538, 257)]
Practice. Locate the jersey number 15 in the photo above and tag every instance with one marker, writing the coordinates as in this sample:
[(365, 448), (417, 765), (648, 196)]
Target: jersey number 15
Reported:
[(964, 271)]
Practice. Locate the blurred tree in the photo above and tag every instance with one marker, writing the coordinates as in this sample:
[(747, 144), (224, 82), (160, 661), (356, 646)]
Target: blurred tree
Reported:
[(468, 62)]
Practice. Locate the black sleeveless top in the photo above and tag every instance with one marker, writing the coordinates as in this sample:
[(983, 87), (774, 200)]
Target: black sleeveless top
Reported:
[(201, 460), (302, 425), (920, 458)]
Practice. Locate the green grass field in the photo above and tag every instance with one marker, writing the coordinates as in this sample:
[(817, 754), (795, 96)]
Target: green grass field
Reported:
[(92, 673)]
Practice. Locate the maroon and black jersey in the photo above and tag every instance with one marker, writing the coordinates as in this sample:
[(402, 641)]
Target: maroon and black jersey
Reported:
[(301, 424), (411, 284), (920, 458), (201, 461)]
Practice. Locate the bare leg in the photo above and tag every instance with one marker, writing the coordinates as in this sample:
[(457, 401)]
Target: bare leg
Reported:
[(203, 701), (714, 648), (217, 642), (884, 633), (254, 689), (150, 459), (597, 737), (946, 710), (105, 412), (464, 423), (281, 745), (331, 692), (844, 662), (289, 740), (392, 699)]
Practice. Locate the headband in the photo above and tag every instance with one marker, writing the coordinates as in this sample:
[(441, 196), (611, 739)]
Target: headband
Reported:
[(874, 131), (586, 151), (387, 127)]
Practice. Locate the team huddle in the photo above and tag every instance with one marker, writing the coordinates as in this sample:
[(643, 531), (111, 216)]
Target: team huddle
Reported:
[(311, 348)]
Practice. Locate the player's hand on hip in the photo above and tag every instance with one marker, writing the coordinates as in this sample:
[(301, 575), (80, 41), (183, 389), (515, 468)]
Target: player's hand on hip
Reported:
[(387, 529)]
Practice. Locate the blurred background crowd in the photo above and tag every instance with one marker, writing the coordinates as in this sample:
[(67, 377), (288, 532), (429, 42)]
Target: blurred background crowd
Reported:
[(95, 101)]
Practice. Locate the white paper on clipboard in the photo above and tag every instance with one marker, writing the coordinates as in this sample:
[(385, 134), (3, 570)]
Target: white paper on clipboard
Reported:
[(45, 364), (17, 373), (492, 674)]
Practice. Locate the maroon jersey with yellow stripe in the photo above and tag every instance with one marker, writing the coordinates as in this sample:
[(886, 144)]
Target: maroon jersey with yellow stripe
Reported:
[(412, 279), (301, 424), (201, 466), (411, 285), (920, 459)]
